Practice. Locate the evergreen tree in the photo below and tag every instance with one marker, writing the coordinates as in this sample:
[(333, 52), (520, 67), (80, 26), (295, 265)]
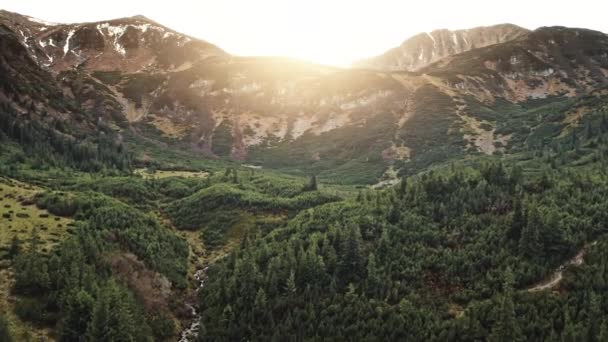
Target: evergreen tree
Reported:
[(506, 327), (373, 281), (260, 306), (352, 261), (594, 313), (290, 286), (312, 184), (403, 187), (588, 131), (5, 335), (394, 214), (517, 223), (604, 123), (32, 276), (114, 318), (603, 333), (360, 196), (15, 247), (530, 241), (78, 314)]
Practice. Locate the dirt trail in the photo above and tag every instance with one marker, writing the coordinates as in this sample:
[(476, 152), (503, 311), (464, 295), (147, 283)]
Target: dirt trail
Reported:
[(557, 276)]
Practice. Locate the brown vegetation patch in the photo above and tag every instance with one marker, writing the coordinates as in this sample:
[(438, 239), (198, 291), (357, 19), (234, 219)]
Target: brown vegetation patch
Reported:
[(151, 288)]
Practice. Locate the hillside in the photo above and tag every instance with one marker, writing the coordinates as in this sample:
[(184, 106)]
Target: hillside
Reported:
[(147, 82), (154, 187)]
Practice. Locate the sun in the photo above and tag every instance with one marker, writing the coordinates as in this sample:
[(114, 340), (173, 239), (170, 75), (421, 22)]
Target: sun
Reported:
[(334, 33)]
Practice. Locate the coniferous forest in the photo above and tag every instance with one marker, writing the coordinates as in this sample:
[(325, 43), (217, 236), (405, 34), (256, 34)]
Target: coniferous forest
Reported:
[(465, 251)]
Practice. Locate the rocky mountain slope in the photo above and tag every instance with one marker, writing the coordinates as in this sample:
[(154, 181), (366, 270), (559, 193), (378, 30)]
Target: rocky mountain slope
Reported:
[(426, 48), (133, 75), (135, 44)]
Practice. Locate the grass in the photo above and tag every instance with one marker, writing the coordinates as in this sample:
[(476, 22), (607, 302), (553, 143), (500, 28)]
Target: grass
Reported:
[(19, 216), (24, 218), (145, 173)]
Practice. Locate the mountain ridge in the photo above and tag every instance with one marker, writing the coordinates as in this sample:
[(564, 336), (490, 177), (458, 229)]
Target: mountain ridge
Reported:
[(425, 48), (292, 115)]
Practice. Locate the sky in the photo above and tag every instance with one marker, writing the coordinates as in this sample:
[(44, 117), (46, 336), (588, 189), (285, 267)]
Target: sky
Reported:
[(333, 32)]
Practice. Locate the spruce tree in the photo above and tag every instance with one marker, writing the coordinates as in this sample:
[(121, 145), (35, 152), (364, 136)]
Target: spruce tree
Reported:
[(506, 327), (5, 334), (78, 315)]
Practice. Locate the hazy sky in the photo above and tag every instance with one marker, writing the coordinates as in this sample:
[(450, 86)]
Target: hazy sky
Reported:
[(326, 31)]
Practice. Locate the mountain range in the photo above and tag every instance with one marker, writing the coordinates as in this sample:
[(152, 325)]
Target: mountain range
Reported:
[(154, 187), (438, 96)]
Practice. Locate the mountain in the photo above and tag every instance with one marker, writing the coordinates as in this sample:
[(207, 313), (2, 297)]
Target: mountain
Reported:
[(135, 44), (426, 48), (550, 61), (135, 78)]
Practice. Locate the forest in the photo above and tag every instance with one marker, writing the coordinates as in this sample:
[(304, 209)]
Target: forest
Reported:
[(458, 252)]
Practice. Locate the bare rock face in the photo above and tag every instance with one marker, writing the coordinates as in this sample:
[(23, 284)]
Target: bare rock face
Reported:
[(87, 38), (426, 48)]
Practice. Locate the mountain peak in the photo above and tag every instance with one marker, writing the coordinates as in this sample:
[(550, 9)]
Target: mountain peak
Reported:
[(129, 44), (141, 17), (429, 47)]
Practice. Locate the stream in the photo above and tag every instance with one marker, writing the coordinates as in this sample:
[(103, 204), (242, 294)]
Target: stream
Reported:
[(191, 333)]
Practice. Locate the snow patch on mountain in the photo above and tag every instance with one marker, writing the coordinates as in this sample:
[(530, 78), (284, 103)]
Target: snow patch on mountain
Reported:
[(115, 31), (66, 47), (432, 38)]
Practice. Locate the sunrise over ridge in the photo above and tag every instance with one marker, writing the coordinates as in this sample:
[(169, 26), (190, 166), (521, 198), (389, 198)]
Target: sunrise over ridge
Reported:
[(336, 32)]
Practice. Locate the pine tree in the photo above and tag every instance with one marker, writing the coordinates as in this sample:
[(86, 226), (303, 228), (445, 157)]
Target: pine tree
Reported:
[(378, 208), (5, 334), (383, 245), (604, 124), (569, 333), (573, 140), (594, 312), (588, 131), (78, 314), (517, 223), (15, 247), (394, 214), (32, 275), (403, 187), (506, 327), (290, 286), (259, 306), (530, 241), (312, 184), (360, 196), (99, 328), (113, 316), (373, 281), (228, 322), (603, 333), (352, 262)]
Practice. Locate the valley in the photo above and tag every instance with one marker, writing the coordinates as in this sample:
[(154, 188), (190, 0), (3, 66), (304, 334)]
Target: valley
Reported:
[(154, 187)]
